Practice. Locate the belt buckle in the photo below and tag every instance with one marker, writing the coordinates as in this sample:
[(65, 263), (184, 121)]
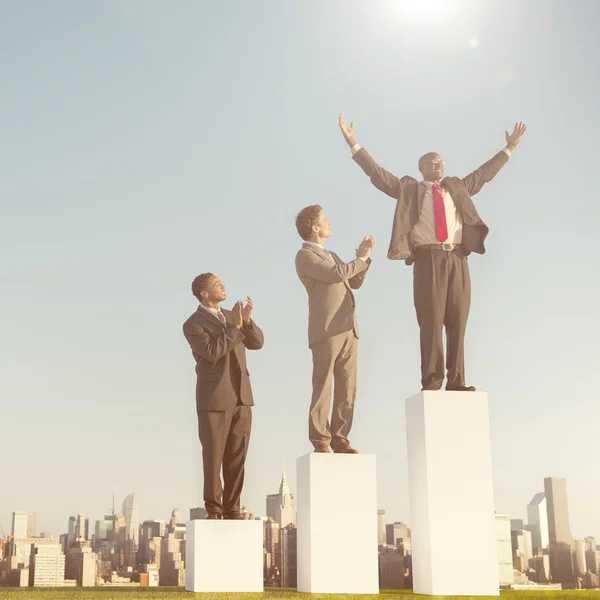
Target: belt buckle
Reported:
[(448, 247)]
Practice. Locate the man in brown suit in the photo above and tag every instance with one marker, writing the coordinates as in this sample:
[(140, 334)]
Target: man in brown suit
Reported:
[(332, 328), (436, 226), (219, 339)]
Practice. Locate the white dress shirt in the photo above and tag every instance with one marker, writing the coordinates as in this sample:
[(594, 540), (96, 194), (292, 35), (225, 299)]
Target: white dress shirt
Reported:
[(424, 230), (215, 312)]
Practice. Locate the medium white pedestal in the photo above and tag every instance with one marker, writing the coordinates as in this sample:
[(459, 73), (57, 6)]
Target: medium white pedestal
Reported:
[(451, 494), (337, 524), (224, 556)]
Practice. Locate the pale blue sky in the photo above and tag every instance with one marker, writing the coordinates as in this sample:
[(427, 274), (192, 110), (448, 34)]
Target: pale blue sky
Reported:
[(144, 142)]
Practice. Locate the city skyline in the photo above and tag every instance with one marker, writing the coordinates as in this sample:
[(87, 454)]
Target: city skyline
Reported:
[(144, 145), (125, 550), (528, 514), (538, 517)]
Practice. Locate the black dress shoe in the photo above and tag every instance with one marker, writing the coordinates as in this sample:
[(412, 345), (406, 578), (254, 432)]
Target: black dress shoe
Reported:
[(214, 515), (234, 516), (461, 388)]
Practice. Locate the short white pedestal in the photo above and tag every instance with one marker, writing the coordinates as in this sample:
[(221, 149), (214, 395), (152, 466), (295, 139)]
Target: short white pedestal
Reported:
[(451, 494), (224, 556), (337, 524)]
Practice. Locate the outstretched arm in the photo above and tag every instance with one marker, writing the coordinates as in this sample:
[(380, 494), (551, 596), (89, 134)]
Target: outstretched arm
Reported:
[(383, 180), (477, 179), (313, 265)]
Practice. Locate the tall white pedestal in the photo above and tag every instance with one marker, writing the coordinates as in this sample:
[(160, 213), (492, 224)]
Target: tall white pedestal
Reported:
[(337, 524), (451, 494), (224, 556)]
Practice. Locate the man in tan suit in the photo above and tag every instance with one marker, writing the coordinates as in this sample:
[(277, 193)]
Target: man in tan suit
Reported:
[(219, 339), (332, 328)]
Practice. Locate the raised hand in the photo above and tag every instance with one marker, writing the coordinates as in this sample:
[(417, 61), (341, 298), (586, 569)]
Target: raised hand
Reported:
[(365, 247), (236, 315), (514, 138), (247, 311), (347, 132)]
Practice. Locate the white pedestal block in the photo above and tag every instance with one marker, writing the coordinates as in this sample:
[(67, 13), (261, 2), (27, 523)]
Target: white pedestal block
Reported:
[(224, 556), (337, 524), (451, 494)]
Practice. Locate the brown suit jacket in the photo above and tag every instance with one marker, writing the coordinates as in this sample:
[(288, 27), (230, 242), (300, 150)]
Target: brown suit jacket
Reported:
[(409, 194), (219, 352), (329, 287)]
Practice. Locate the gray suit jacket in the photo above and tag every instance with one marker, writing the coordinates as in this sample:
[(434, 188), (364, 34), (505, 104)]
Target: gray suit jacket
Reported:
[(219, 351), (329, 287)]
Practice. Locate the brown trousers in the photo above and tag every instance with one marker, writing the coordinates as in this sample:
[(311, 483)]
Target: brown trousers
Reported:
[(442, 292), (224, 435), (334, 362)]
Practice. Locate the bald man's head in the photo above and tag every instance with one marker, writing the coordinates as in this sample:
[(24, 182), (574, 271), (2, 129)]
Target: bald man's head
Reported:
[(431, 166)]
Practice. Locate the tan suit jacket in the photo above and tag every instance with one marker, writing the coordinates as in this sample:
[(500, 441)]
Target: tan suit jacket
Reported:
[(219, 351), (329, 286)]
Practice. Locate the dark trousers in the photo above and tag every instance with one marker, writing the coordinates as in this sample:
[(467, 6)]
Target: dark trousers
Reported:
[(442, 292), (224, 435)]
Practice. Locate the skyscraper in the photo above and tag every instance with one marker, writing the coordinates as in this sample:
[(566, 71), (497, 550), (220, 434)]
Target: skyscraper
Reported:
[(521, 546), (280, 506), (172, 560), (70, 537), (560, 538), (504, 549), (132, 518), (174, 520), (150, 532), (47, 566), (132, 526), (272, 536), (592, 555), (381, 527), (580, 559), (288, 543), (398, 533), (82, 527), (31, 526), (19, 524), (81, 564), (537, 519)]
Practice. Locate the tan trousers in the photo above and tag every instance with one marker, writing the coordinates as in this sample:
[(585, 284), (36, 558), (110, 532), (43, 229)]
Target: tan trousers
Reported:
[(334, 361)]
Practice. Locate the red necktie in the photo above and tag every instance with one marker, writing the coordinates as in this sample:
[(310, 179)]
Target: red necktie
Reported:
[(439, 214)]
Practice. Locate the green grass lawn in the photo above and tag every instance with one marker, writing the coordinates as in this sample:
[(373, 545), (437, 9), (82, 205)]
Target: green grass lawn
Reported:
[(167, 593)]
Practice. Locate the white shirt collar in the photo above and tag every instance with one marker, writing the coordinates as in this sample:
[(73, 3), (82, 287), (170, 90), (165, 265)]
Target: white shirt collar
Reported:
[(315, 244), (213, 311)]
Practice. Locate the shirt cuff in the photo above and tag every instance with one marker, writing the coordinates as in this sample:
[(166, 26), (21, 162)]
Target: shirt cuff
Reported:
[(355, 149), (361, 258), (508, 152)]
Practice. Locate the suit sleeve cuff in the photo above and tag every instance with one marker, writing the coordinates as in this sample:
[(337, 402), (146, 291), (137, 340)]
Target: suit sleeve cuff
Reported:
[(507, 151), (355, 149)]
